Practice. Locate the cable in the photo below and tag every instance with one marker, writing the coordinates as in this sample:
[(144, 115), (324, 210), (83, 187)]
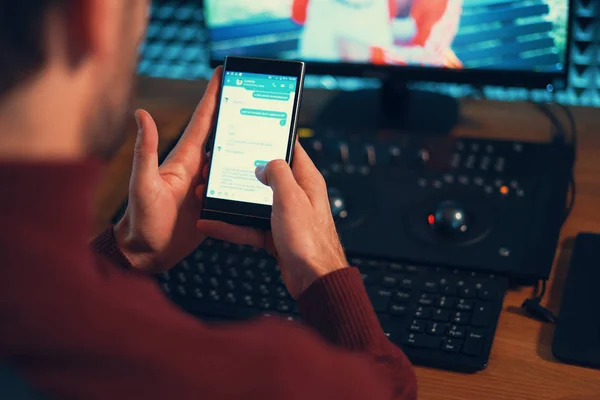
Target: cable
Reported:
[(533, 305)]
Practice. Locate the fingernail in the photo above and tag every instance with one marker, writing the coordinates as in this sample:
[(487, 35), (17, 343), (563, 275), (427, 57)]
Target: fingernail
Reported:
[(138, 121), (260, 169)]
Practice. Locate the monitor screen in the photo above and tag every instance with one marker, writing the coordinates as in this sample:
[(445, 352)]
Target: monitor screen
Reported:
[(489, 35)]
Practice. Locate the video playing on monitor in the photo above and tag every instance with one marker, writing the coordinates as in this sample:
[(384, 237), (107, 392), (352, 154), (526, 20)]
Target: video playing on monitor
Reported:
[(517, 35)]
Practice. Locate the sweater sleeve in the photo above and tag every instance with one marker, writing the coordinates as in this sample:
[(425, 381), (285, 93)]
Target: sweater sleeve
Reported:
[(105, 245), (338, 309)]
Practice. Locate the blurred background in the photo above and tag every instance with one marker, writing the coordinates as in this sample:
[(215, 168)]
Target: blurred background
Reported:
[(176, 48)]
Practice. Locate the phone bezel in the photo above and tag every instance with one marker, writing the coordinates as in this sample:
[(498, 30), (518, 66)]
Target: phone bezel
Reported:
[(240, 212)]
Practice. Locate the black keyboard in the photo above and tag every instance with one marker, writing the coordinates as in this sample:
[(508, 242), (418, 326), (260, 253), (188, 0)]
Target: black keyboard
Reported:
[(440, 318)]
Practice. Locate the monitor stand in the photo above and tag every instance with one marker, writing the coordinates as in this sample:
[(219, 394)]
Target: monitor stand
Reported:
[(392, 107)]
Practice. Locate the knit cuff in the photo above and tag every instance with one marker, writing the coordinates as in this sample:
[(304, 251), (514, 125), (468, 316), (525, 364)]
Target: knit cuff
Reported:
[(338, 307), (106, 246)]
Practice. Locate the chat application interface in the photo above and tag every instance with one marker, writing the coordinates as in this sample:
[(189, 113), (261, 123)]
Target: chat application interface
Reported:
[(253, 128)]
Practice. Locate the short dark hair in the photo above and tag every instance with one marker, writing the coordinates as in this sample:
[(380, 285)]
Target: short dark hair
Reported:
[(22, 52)]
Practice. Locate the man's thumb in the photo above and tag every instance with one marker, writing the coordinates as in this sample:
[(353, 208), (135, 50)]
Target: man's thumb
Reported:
[(145, 155), (278, 175)]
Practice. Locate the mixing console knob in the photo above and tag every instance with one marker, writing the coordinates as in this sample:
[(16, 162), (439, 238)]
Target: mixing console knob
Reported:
[(371, 155), (344, 153), (395, 154), (314, 150), (317, 146)]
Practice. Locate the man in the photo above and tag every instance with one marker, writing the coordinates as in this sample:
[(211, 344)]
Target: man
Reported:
[(368, 31), (83, 322)]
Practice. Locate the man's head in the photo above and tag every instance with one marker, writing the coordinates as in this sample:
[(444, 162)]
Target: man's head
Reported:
[(83, 51)]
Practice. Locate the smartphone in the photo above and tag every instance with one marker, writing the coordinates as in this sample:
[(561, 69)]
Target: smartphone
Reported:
[(256, 122)]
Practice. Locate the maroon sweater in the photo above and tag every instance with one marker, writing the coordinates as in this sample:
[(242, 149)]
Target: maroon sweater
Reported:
[(78, 323)]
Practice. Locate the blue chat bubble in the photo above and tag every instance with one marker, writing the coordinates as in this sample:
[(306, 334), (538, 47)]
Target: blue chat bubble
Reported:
[(271, 96), (260, 162), (263, 113)]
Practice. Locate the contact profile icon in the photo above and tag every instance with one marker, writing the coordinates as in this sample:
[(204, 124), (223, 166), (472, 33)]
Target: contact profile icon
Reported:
[(239, 82)]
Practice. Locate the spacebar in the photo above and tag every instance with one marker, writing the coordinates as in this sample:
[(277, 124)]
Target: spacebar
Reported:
[(216, 311)]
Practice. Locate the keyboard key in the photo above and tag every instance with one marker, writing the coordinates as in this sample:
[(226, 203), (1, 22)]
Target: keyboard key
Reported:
[(281, 292), (266, 277), (248, 300), (198, 255), (185, 265), (402, 296), (181, 291), (423, 341), (213, 282), (231, 260), (380, 299), (229, 285), (466, 291), (441, 315), (263, 264), (249, 275), (423, 312), (166, 287), (232, 272), (450, 289), (430, 286), (481, 316), (284, 306), (486, 294), (197, 280), (370, 278), (201, 268), (426, 300), (446, 302), (217, 270), (248, 287), (214, 295), (355, 262), (413, 269), (464, 305), (198, 293), (456, 332), (249, 262), (474, 342), (436, 328), (451, 345), (407, 283), (265, 304), (460, 317), (390, 326), (418, 326), (397, 309), (389, 281), (396, 267), (230, 298), (264, 290), (181, 277)]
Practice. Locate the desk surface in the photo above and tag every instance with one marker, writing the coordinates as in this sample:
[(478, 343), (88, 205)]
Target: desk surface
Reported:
[(521, 364)]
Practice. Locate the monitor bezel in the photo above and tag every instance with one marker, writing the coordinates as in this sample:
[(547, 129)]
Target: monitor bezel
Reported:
[(407, 74)]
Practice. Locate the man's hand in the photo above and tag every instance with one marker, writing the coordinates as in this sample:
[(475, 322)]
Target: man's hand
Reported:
[(159, 226), (303, 237)]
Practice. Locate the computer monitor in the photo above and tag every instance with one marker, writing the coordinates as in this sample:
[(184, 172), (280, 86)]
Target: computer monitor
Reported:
[(482, 42)]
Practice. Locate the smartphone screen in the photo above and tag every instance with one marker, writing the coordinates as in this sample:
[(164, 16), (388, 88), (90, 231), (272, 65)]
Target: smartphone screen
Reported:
[(256, 123)]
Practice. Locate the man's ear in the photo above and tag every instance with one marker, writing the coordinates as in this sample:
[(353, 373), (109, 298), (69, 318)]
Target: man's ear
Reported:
[(92, 28)]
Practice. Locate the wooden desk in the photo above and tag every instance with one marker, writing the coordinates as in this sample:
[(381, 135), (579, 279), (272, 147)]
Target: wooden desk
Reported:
[(521, 364)]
